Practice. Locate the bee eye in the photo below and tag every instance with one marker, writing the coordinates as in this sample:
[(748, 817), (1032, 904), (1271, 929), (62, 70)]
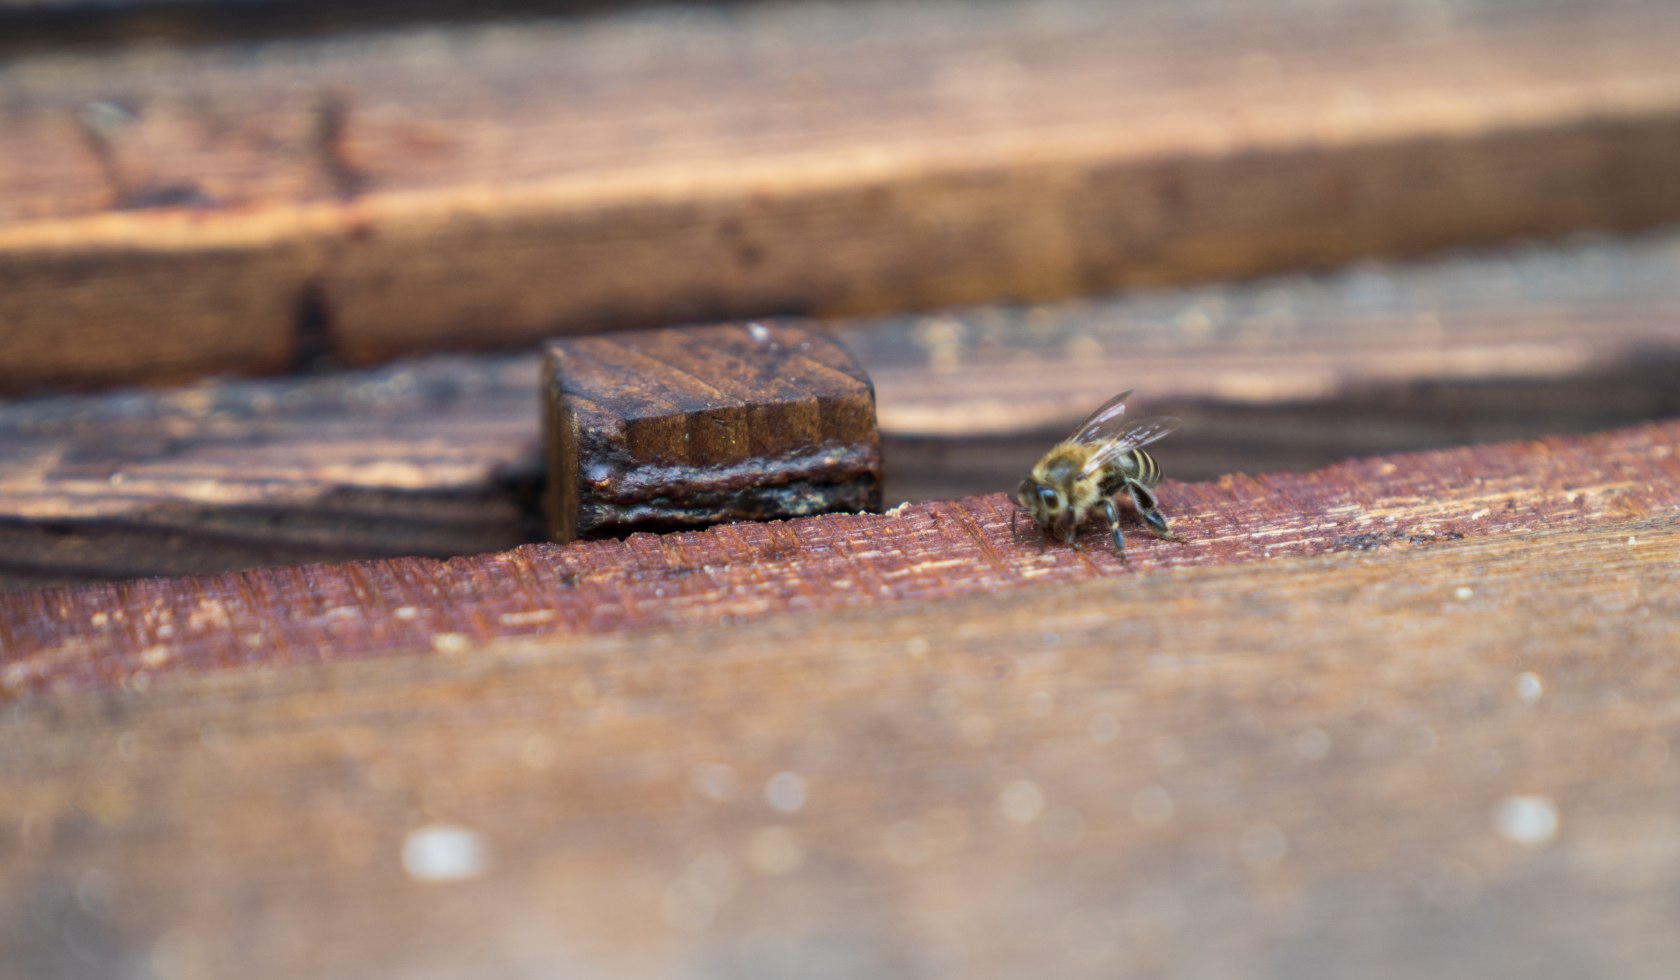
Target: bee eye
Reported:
[(1048, 498)]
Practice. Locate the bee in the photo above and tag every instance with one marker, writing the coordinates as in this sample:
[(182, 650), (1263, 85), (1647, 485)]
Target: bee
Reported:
[(1101, 460)]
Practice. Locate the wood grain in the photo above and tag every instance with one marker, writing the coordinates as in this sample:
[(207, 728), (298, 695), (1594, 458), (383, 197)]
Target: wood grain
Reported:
[(1454, 758), (811, 158), (443, 457), (677, 429), (438, 457), (1292, 372), (118, 634)]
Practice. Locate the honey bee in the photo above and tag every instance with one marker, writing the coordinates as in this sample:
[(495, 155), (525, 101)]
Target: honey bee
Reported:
[(1102, 459)]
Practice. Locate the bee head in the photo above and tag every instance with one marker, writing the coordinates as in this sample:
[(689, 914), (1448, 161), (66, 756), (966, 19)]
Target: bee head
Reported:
[(1044, 503)]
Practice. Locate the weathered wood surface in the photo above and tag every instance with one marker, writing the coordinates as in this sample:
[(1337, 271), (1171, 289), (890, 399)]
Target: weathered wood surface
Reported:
[(443, 457), (117, 634), (438, 457), (681, 428), (1289, 373), (822, 158), (1352, 756)]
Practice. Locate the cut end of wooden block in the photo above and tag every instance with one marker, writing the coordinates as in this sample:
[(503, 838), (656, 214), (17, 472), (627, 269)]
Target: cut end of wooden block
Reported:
[(683, 428)]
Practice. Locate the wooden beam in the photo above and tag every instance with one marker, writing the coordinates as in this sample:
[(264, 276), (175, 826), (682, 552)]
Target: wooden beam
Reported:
[(442, 457), (100, 635), (1355, 755), (655, 168)]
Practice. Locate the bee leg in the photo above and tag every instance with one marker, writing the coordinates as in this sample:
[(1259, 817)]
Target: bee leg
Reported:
[(1070, 532), (1112, 512), (1144, 500)]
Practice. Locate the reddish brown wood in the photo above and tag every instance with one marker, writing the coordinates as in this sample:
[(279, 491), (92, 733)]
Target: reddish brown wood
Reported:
[(1446, 760), (683, 428), (120, 634), (657, 168)]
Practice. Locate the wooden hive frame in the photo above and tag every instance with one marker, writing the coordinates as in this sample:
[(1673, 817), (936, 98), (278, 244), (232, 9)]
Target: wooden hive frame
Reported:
[(365, 726)]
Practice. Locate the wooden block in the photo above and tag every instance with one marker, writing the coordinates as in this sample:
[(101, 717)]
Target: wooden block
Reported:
[(703, 167), (683, 428)]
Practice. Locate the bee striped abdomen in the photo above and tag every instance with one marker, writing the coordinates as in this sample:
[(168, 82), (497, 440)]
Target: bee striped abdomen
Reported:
[(1148, 471)]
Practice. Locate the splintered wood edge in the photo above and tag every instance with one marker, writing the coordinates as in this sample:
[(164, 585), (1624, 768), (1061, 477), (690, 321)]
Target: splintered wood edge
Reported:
[(854, 224), (129, 633)]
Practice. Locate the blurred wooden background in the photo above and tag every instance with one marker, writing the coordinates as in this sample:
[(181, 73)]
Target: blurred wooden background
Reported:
[(271, 282)]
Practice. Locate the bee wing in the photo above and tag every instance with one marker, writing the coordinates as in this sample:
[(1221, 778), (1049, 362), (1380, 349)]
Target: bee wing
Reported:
[(1125, 438), (1103, 421)]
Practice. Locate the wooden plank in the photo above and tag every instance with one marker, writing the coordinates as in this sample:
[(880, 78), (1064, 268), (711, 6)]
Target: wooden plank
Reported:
[(1282, 373), (99, 635), (843, 158), (437, 457), (1292, 372), (1450, 759)]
